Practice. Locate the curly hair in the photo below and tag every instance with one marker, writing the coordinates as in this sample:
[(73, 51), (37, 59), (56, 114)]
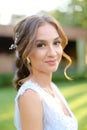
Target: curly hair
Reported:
[(27, 30)]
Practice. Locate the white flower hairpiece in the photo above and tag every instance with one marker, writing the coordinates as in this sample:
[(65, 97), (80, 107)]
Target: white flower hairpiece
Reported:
[(14, 46), (16, 37), (17, 54)]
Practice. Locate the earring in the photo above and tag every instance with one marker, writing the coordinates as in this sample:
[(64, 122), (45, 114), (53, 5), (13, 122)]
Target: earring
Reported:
[(28, 60)]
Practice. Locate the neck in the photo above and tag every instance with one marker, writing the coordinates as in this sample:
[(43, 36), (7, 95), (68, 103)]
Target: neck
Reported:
[(43, 79)]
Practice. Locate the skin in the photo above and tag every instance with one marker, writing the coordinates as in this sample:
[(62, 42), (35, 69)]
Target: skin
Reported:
[(45, 58), (46, 54)]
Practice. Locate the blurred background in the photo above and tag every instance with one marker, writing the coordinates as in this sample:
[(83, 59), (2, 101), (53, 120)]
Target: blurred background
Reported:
[(72, 15)]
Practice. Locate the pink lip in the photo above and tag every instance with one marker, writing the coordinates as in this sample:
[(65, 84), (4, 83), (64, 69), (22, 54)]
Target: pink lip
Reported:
[(51, 62)]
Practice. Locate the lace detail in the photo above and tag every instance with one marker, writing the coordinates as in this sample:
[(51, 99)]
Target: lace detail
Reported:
[(54, 118)]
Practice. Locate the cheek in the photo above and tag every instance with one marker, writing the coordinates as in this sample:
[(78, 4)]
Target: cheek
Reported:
[(36, 56), (60, 51)]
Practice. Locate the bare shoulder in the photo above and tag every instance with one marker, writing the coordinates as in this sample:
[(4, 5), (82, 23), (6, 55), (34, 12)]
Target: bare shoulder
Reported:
[(30, 95), (30, 99), (30, 107)]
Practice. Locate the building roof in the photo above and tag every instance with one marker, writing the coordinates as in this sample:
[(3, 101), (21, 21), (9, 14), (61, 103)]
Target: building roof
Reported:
[(76, 33), (72, 33), (6, 31)]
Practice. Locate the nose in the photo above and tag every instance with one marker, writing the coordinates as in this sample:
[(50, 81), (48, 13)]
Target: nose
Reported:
[(52, 51)]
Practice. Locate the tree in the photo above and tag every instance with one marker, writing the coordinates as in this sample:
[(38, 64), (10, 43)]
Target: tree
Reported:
[(78, 10), (76, 14)]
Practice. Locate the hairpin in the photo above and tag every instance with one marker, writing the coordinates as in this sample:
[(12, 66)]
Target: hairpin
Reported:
[(16, 37), (17, 54), (13, 46)]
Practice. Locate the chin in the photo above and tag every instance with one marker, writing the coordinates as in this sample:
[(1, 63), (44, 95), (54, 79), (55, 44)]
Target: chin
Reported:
[(53, 70)]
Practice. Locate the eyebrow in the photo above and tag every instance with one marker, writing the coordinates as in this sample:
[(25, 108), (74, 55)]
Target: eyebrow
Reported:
[(41, 40), (57, 38)]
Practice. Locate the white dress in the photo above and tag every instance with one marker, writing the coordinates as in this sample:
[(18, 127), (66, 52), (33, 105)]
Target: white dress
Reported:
[(54, 117)]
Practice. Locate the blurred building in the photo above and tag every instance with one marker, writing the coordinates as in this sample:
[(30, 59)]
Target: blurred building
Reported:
[(77, 47)]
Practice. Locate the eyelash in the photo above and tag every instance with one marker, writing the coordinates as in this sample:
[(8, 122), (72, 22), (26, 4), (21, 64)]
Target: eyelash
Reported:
[(40, 45), (57, 43)]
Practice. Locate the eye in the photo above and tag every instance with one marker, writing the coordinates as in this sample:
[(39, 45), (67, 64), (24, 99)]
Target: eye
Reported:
[(40, 45), (57, 43)]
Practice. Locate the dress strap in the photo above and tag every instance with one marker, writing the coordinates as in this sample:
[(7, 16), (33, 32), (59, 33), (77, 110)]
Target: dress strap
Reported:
[(29, 85)]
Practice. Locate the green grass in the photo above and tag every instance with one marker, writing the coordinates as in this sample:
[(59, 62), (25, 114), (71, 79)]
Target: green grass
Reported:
[(7, 108), (75, 93)]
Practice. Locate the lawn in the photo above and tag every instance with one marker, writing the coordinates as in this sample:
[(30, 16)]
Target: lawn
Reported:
[(75, 93), (7, 108)]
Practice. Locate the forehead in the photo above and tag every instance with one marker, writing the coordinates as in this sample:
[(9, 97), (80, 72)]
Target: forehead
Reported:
[(46, 31)]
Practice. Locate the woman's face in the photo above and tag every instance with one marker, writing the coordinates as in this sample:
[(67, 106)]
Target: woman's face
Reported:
[(47, 51)]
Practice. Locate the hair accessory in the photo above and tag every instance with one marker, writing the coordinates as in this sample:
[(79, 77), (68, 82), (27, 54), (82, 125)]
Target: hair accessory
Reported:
[(28, 60), (16, 38), (13, 46), (17, 54)]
